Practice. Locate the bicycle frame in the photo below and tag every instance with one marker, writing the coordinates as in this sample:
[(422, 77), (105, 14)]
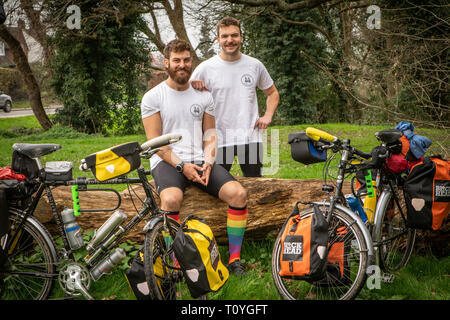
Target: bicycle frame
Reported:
[(332, 204), (149, 206)]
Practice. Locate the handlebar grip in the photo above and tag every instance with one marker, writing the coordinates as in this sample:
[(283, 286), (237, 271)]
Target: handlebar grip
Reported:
[(316, 134), (161, 141)]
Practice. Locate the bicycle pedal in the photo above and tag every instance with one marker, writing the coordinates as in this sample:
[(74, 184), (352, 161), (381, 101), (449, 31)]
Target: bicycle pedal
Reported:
[(387, 278)]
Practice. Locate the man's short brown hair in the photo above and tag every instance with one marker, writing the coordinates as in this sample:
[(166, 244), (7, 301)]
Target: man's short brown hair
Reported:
[(176, 45), (228, 21)]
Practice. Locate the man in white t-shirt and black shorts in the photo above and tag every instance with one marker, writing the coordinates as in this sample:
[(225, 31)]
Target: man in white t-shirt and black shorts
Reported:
[(232, 77), (174, 106)]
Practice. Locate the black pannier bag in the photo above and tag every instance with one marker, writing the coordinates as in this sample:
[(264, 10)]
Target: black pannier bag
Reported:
[(136, 279), (24, 165), (4, 222), (305, 150), (18, 190)]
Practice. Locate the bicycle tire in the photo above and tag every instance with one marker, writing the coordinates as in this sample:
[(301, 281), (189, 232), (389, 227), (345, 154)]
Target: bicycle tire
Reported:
[(165, 280), (290, 289), (33, 252), (394, 254)]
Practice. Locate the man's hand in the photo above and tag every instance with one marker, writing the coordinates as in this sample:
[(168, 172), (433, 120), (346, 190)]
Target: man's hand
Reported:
[(190, 171), (263, 123), (206, 169), (199, 85)]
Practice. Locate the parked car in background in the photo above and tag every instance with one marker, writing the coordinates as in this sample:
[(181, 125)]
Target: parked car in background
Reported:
[(5, 102)]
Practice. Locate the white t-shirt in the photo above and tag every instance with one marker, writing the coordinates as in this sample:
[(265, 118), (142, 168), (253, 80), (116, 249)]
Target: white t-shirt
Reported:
[(181, 112), (233, 86)]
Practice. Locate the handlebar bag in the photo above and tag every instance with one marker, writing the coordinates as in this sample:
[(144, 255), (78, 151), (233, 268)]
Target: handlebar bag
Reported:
[(305, 150), (304, 246), (115, 161), (197, 253), (427, 193)]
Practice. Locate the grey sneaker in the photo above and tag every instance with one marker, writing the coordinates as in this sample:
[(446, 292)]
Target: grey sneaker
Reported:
[(237, 268)]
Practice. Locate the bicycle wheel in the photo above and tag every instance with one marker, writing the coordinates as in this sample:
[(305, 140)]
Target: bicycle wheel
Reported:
[(28, 271), (395, 241), (356, 259), (164, 278)]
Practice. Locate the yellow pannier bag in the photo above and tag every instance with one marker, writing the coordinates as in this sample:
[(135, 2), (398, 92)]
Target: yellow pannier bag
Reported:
[(198, 255), (115, 161)]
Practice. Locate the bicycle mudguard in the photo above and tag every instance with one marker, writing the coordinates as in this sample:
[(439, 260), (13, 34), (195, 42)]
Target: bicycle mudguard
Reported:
[(153, 221)]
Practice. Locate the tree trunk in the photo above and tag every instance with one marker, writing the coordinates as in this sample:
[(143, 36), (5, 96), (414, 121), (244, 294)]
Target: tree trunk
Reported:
[(34, 92)]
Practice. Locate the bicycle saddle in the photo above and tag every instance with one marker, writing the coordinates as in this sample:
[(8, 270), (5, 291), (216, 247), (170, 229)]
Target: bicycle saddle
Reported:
[(35, 150), (388, 135)]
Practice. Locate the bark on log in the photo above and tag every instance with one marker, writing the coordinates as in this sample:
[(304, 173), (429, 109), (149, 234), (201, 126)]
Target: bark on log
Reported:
[(269, 203)]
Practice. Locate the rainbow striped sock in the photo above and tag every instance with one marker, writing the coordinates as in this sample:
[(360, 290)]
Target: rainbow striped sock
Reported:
[(176, 216), (236, 223)]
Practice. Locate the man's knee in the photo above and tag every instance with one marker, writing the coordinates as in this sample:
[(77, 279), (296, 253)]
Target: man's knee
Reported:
[(234, 194), (171, 199)]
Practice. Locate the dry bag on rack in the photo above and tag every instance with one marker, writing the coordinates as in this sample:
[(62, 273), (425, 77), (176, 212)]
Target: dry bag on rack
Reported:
[(115, 161), (304, 246), (427, 193), (198, 255)]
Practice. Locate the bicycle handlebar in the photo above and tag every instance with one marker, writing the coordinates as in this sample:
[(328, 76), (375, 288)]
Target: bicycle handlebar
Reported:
[(161, 141), (316, 134)]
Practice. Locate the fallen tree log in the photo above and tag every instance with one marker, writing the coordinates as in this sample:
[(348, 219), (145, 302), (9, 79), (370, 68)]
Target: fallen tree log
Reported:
[(269, 203)]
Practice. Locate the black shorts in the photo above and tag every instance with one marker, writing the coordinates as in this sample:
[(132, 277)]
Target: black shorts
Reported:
[(249, 158), (167, 176)]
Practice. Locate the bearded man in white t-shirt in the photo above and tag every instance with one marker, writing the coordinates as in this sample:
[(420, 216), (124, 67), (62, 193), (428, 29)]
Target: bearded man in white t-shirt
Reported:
[(174, 106), (232, 77)]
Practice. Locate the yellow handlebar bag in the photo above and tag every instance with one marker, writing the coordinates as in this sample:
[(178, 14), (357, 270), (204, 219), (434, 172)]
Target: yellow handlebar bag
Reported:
[(115, 161), (197, 253)]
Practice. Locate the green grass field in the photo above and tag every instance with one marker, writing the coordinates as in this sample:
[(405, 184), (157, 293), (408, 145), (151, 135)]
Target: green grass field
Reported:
[(424, 278)]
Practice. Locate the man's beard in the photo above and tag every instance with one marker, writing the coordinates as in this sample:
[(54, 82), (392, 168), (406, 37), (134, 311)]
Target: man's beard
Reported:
[(178, 78)]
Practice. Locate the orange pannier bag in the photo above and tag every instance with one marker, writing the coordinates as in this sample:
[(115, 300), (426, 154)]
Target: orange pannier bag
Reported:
[(304, 246), (427, 193)]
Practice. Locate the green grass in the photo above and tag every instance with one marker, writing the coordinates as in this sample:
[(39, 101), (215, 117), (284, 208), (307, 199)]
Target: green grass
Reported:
[(424, 278)]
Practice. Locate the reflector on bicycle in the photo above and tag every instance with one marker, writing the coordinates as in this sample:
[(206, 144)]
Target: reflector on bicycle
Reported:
[(115, 161)]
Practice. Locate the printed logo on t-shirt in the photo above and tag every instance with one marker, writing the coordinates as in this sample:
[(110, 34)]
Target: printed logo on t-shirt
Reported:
[(247, 80), (196, 110)]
